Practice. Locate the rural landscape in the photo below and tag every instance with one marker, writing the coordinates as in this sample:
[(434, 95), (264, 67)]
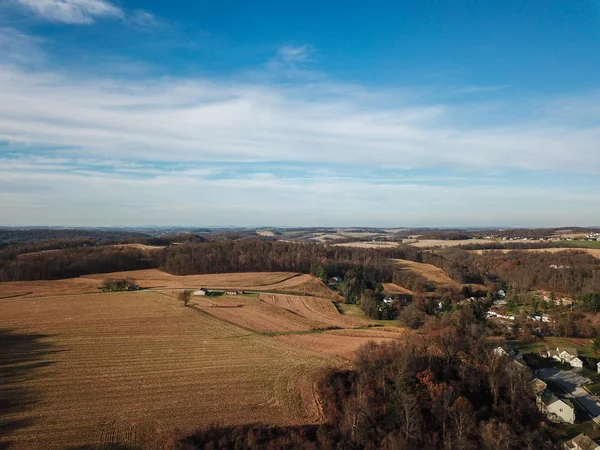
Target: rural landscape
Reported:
[(242, 339), (312, 225)]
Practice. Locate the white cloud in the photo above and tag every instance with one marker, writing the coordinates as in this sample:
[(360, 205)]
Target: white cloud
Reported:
[(192, 197), (291, 59), (71, 11), (18, 48), (143, 19), (203, 120), (71, 147), (294, 54)]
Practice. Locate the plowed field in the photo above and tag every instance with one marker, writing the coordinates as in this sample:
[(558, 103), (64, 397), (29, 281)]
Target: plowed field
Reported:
[(126, 367)]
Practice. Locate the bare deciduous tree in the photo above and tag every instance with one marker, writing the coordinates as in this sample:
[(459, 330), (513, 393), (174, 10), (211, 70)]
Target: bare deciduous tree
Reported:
[(185, 297)]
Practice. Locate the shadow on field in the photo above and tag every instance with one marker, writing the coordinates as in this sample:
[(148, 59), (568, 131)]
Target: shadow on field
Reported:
[(21, 355)]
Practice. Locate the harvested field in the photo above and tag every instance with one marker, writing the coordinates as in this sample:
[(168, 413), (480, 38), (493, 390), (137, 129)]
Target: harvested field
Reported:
[(595, 252), (287, 282), (31, 289), (392, 288), (381, 244), (143, 247), (116, 368), (341, 343), (432, 273), (447, 243), (313, 308), (277, 313)]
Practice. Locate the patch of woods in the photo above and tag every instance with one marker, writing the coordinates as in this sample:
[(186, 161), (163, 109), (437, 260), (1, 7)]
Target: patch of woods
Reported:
[(446, 235), (572, 272), (445, 390), (119, 285), (73, 262)]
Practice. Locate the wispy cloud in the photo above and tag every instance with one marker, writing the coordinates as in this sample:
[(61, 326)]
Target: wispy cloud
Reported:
[(209, 120), (253, 153), (291, 58), (19, 48), (75, 12), (142, 19)]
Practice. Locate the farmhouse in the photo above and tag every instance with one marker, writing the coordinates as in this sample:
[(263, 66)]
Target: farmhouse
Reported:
[(201, 291), (581, 442), (565, 355), (555, 408)]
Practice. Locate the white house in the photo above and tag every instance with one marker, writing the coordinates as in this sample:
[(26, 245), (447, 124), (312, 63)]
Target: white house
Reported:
[(566, 355), (556, 409), (581, 442), (507, 351), (201, 291)]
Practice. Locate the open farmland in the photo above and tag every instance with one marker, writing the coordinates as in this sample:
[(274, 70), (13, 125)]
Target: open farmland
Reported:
[(431, 273), (286, 282), (377, 244), (342, 343), (447, 243), (392, 288), (104, 368), (278, 313)]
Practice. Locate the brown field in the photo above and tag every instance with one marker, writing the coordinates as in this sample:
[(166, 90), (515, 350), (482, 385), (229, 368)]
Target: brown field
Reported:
[(106, 368), (432, 273), (595, 252), (43, 288), (287, 282), (380, 244), (446, 243), (392, 288), (145, 248), (341, 343), (278, 313)]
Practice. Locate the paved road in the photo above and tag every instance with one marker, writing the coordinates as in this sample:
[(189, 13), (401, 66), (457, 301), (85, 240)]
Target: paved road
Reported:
[(572, 382)]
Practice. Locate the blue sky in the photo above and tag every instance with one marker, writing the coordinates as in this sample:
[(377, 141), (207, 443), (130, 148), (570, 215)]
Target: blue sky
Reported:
[(407, 113)]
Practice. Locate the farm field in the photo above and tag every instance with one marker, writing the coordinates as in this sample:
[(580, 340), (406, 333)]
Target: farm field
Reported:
[(122, 367), (592, 251), (286, 282), (380, 244), (342, 343), (447, 243), (277, 313), (430, 272), (392, 288)]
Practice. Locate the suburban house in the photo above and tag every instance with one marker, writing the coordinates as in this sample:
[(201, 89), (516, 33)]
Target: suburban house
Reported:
[(492, 314), (509, 352), (555, 408), (537, 386), (566, 355), (581, 442), (201, 291)]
